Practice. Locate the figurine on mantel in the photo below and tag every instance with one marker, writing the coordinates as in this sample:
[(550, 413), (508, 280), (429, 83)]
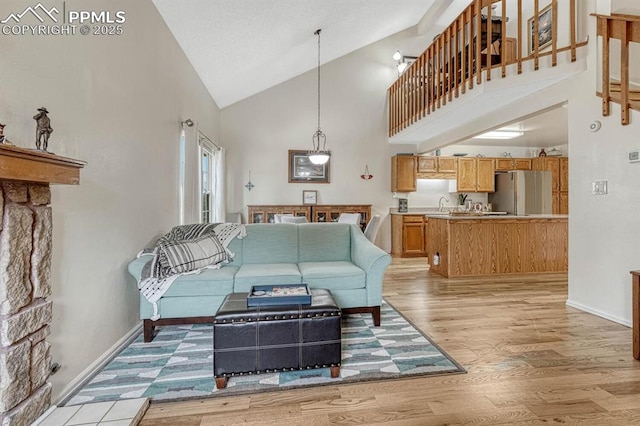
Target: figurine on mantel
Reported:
[(43, 129), (3, 139)]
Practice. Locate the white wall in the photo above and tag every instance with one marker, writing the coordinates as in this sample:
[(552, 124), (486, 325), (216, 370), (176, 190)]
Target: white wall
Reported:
[(259, 131), (603, 230), (115, 102)]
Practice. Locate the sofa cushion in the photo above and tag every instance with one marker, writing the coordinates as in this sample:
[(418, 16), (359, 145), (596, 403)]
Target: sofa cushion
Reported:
[(339, 275), (209, 282), (270, 243), (322, 242), (265, 274)]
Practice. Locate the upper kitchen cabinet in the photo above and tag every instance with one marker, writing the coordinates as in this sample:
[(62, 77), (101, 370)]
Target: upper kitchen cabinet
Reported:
[(403, 173), (476, 175), (507, 164), (437, 167)]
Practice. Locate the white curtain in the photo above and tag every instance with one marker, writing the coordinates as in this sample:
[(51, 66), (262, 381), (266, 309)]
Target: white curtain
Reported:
[(219, 205)]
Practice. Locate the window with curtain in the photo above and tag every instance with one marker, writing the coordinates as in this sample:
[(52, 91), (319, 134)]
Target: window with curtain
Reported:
[(211, 180)]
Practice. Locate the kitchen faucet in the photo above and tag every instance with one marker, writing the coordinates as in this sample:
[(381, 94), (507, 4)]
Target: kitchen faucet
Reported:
[(440, 207)]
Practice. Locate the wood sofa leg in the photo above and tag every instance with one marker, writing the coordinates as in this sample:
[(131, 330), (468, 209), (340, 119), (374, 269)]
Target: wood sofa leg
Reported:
[(148, 330), (335, 372), (221, 382), (375, 313)]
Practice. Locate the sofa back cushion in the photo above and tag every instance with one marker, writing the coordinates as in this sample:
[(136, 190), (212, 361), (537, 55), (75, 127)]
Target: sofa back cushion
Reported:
[(270, 243), (324, 242)]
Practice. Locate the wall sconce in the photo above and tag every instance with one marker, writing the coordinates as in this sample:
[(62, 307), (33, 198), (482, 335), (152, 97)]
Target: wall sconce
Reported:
[(188, 122), (402, 61)]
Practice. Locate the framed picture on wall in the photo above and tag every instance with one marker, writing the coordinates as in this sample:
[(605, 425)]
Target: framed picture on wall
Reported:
[(302, 170), (309, 197), (545, 29)]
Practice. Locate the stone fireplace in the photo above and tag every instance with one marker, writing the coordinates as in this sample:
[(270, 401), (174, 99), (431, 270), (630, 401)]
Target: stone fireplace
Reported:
[(25, 278)]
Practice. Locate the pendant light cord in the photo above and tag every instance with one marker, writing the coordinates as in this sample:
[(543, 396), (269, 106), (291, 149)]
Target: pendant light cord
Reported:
[(318, 34)]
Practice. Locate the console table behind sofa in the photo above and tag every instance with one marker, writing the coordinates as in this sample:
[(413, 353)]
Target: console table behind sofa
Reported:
[(313, 213)]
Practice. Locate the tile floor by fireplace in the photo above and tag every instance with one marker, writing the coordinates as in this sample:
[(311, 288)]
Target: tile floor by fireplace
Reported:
[(127, 412)]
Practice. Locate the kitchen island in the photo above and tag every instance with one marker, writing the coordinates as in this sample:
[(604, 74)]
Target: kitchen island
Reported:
[(469, 245)]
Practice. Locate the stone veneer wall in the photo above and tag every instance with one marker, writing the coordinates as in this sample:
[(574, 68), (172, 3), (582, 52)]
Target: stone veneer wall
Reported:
[(25, 313)]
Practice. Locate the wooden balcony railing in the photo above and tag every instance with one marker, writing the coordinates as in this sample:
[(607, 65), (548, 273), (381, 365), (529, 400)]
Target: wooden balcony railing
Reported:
[(625, 28), (478, 42)]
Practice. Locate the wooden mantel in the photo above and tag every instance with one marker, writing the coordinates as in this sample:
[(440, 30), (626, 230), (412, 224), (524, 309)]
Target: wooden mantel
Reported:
[(30, 165)]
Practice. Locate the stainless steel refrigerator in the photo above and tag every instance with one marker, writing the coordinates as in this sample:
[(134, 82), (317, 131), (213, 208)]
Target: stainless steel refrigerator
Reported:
[(522, 192)]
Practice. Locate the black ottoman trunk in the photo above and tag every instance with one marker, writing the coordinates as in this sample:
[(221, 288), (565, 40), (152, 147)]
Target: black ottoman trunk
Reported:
[(268, 339)]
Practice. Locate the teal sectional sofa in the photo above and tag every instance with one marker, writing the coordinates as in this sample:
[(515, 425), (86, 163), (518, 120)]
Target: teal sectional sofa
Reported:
[(334, 256)]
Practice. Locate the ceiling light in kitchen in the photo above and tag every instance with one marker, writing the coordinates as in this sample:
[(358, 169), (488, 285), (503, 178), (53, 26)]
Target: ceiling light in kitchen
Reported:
[(500, 134)]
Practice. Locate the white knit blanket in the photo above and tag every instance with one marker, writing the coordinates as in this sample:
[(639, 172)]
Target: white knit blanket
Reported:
[(156, 280)]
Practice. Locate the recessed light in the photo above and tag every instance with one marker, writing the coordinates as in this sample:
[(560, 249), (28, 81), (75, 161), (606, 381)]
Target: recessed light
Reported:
[(500, 134)]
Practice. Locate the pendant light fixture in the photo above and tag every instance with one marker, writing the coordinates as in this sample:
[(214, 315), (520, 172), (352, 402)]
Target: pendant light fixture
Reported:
[(319, 156)]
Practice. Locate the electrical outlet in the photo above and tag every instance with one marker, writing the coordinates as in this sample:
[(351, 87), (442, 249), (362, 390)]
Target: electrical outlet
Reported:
[(599, 187)]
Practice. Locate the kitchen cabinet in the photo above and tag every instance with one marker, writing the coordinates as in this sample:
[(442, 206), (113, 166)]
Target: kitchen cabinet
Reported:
[(508, 164), (476, 175), (437, 167), (403, 173), (409, 235), (564, 174), (559, 168), (482, 245)]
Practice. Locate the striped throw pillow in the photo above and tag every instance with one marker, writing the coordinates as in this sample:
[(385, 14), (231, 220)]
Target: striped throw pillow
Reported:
[(188, 255)]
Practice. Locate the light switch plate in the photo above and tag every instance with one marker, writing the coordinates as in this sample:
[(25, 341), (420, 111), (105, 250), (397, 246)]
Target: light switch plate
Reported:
[(599, 187)]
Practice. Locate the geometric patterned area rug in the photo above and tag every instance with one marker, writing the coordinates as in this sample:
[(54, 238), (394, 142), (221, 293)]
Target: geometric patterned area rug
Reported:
[(178, 363)]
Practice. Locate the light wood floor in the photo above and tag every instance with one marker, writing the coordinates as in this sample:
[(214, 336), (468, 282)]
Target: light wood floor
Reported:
[(530, 360)]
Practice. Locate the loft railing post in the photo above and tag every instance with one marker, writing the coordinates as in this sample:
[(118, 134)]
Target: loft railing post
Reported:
[(503, 39), (430, 81), (455, 57), (536, 39), (478, 40), (520, 37), (463, 56), (624, 73), (572, 18), (422, 78), (606, 110), (439, 62), (470, 48), (554, 33), (488, 58)]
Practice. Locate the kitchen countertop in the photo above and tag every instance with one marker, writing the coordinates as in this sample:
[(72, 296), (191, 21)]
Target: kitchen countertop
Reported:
[(416, 211), (499, 216)]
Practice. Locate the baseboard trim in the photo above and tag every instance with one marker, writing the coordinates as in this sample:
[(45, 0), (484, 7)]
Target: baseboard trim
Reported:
[(96, 366), (598, 313)]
